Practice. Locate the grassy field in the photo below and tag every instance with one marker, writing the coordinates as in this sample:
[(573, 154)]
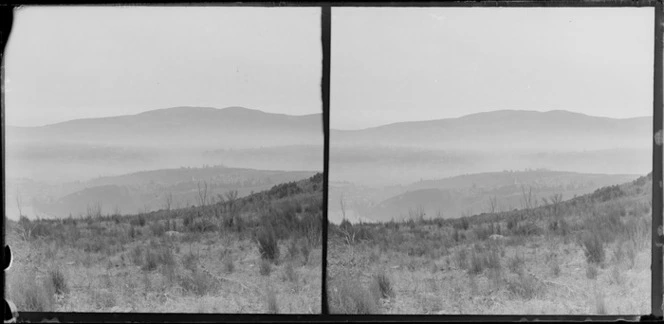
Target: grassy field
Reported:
[(587, 255), (258, 254)]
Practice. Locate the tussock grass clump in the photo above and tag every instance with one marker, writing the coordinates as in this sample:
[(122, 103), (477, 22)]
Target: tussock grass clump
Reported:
[(29, 294), (481, 260), (103, 299), (264, 267), (618, 253), (516, 264), (555, 269), (289, 273), (58, 280), (305, 249), (229, 266), (154, 258), (593, 248), (199, 283), (384, 285), (267, 244), (349, 297), (271, 302), (293, 249), (591, 271), (462, 258), (600, 305), (616, 276), (190, 261), (136, 256), (631, 252), (525, 286)]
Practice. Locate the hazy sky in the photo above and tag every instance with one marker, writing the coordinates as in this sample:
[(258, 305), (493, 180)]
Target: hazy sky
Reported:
[(401, 64), (75, 62)]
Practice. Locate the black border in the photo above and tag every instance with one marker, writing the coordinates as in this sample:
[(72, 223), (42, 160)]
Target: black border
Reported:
[(6, 15), (657, 193), (326, 29)]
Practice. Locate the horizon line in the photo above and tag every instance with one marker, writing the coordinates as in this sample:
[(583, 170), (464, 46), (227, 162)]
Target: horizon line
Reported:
[(485, 112), (154, 110)]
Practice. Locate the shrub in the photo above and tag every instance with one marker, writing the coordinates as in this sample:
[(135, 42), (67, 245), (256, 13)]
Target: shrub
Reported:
[(461, 258), (382, 281), (292, 249), (265, 267), (525, 286), (190, 261), (271, 302), (631, 252), (555, 269), (617, 277), (199, 282), (493, 260), (28, 294), (591, 271), (289, 273), (58, 281), (103, 299), (600, 306), (305, 249), (267, 244), (481, 260), (137, 256), (593, 247), (157, 229), (229, 266), (154, 258), (516, 263), (618, 253), (349, 297)]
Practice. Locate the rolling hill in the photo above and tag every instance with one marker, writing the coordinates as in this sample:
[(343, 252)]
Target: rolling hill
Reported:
[(473, 193), (148, 190)]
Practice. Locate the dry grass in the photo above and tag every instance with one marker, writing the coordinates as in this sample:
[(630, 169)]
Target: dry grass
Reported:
[(350, 297), (549, 273), (165, 275)]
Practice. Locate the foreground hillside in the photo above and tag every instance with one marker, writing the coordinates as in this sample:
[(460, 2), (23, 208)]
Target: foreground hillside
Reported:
[(586, 255), (257, 254)]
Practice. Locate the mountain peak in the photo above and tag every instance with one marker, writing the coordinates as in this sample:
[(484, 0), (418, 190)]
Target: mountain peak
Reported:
[(192, 109)]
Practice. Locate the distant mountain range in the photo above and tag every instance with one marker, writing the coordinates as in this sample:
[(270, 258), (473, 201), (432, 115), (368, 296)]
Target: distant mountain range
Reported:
[(199, 127), (507, 129), (162, 139)]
